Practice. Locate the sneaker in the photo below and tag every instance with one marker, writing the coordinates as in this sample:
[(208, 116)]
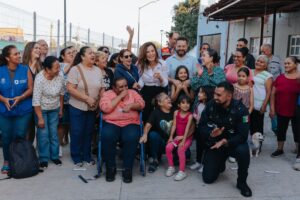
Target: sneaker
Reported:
[(91, 163), (5, 169), (296, 165), (57, 162), (170, 171), (244, 188), (180, 176), (196, 165), (277, 153), (153, 166), (232, 159), (127, 175), (44, 165), (200, 170), (79, 167)]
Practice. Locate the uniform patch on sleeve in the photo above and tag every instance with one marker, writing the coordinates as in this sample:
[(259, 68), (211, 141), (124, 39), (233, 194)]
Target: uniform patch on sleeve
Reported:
[(245, 119)]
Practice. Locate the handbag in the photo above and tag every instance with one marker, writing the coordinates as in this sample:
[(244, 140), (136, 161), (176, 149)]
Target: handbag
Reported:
[(90, 108)]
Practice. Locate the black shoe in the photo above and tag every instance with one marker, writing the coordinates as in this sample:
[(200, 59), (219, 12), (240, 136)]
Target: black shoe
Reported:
[(43, 165), (110, 174), (153, 166), (222, 168), (57, 162), (277, 153), (244, 188), (127, 175)]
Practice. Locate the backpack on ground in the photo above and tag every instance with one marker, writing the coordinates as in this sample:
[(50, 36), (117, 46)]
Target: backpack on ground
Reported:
[(23, 161)]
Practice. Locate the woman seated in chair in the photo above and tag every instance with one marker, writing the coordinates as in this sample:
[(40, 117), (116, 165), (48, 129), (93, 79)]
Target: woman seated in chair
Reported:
[(120, 107)]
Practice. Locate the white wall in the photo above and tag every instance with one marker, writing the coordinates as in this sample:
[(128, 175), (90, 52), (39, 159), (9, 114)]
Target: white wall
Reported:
[(287, 24)]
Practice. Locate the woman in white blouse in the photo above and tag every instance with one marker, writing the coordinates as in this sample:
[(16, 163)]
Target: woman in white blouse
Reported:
[(153, 76), (48, 96)]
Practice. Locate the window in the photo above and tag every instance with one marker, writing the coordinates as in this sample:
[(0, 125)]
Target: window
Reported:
[(294, 45), (213, 40), (255, 44)]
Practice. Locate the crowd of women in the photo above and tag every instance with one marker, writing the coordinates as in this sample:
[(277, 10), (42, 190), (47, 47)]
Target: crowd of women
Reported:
[(45, 97)]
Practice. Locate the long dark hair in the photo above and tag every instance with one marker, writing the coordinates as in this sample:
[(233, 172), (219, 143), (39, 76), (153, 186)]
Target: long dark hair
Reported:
[(121, 54), (78, 58), (178, 69), (142, 59), (6, 53)]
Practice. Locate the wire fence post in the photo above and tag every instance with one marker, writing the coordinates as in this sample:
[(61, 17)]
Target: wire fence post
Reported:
[(112, 42), (58, 36), (70, 35), (89, 34), (34, 26), (103, 39)]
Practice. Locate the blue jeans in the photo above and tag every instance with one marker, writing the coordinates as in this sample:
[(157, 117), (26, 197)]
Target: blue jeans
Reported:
[(157, 144), (128, 135), (82, 124), (11, 128), (47, 139), (274, 124)]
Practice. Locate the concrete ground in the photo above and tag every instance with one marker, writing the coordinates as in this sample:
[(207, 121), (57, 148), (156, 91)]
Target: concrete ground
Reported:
[(62, 183)]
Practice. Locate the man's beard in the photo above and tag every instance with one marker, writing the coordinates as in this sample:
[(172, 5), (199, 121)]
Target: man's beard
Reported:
[(182, 53)]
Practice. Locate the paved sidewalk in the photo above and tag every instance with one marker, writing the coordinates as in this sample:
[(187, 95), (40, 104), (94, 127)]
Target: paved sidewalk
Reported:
[(62, 183)]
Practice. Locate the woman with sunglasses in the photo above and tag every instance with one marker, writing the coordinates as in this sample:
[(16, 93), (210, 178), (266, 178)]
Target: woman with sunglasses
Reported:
[(126, 69)]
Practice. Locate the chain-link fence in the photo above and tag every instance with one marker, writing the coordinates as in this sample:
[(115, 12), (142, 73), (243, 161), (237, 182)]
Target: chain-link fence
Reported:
[(18, 27)]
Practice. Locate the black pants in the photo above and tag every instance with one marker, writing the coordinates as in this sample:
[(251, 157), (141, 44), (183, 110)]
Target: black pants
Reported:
[(149, 93), (200, 144), (256, 122), (298, 127), (283, 124), (214, 162)]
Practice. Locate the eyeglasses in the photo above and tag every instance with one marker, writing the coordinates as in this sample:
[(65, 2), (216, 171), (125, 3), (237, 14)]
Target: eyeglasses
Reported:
[(105, 51), (127, 56)]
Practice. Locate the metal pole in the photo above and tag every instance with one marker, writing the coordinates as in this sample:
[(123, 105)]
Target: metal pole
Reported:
[(34, 26), (112, 42), (65, 23), (89, 32), (103, 39), (70, 35), (138, 42), (244, 33), (273, 31), (58, 37), (261, 31)]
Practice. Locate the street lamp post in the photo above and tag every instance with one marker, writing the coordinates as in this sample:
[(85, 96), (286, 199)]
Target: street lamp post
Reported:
[(138, 42), (65, 23), (161, 34)]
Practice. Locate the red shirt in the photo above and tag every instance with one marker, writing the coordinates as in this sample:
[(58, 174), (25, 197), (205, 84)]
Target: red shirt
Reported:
[(287, 91)]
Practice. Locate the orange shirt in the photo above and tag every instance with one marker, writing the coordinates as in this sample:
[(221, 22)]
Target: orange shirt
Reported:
[(116, 115)]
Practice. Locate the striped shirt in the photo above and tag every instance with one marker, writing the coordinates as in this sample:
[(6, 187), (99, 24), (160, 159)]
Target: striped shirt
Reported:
[(259, 88)]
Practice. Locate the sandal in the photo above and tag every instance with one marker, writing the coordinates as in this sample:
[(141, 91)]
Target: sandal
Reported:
[(5, 169)]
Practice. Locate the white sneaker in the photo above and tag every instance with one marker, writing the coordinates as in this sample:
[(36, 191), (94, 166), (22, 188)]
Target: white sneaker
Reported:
[(60, 153), (170, 171), (297, 164), (232, 159), (180, 176), (200, 170), (194, 166)]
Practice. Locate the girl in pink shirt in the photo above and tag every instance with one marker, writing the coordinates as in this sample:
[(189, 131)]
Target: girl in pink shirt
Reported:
[(182, 122)]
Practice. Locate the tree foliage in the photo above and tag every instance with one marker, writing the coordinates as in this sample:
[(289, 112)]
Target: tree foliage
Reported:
[(186, 20)]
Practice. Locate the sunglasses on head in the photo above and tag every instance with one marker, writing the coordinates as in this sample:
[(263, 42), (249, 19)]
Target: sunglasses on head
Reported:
[(106, 51), (127, 56)]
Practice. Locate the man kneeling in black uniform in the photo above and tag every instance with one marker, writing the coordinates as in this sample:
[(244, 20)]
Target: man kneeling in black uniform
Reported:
[(225, 128)]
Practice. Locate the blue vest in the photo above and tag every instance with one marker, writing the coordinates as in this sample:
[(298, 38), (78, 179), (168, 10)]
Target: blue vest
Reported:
[(131, 75), (11, 89)]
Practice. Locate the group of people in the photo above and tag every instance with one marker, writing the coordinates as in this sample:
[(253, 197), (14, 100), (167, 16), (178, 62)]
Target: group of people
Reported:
[(181, 98)]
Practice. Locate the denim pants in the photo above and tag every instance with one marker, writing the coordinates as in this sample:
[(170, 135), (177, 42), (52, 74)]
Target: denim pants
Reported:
[(128, 135), (82, 124), (11, 128), (47, 139), (157, 144)]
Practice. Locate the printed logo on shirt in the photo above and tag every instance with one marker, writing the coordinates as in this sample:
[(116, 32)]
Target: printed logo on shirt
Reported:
[(16, 82), (245, 119), (23, 81), (166, 126)]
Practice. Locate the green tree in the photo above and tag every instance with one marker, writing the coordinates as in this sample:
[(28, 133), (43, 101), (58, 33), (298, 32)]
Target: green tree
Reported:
[(186, 20)]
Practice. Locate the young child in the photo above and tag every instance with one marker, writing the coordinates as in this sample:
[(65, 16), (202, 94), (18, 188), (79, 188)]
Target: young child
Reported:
[(205, 94), (157, 129), (182, 122), (183, 88), (242, 90)]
